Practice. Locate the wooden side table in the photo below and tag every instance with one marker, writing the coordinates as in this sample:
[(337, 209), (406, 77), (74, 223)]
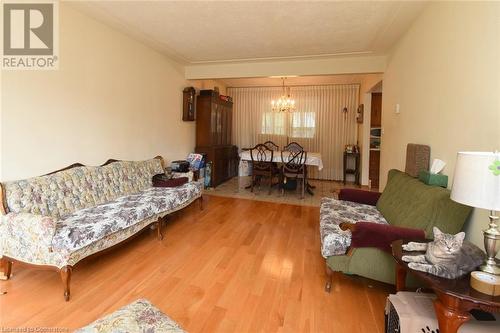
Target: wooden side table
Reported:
[(351, 171), (455, 298)]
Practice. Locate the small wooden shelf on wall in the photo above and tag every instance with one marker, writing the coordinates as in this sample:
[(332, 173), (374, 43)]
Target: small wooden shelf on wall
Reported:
[(354, 158)]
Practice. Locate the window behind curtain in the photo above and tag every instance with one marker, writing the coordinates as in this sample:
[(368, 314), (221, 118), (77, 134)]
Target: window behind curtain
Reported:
[(295, 124), (273, 123), (303, 124)]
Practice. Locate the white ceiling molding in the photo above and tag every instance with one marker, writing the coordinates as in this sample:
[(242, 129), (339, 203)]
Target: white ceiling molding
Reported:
[(308, 56), (300, 80), (329, 66)]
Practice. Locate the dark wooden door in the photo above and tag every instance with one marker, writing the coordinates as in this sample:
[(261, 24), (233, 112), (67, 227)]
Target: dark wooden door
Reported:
[(376, 110), (374, 172)]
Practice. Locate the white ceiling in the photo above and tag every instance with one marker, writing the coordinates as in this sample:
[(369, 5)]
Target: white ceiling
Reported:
[(216, 31)]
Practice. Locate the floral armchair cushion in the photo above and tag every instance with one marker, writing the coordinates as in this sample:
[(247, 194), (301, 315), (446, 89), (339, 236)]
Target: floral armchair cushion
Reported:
[(62, 193), (335, 241), (25, 227), (138, 317)]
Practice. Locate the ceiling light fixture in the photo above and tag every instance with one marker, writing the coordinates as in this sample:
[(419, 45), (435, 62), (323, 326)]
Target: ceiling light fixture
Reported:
[(285, 103)]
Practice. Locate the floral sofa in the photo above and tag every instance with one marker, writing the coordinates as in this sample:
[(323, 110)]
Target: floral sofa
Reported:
[(405, 203), (58, 219)]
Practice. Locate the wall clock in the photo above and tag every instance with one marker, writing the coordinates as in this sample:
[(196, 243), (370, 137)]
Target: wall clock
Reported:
[(188, 109)]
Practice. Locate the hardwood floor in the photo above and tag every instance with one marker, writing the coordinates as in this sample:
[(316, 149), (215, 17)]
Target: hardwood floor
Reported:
[(238, 266)]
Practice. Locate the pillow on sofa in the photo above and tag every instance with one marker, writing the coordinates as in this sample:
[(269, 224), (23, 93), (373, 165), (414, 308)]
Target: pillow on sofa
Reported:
[(407, 202), (160, 180), (30, 227), (368, 234)]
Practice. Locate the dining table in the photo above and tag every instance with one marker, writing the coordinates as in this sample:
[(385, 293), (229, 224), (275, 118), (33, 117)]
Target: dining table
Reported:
[(313, 159)]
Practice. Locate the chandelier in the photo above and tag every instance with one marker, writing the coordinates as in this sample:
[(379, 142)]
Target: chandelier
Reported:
[(285, 103)]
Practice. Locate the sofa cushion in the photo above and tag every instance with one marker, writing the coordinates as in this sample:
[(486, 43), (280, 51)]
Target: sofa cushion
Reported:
[(89, 225), (407, 202), (335, 241), (62, 193)]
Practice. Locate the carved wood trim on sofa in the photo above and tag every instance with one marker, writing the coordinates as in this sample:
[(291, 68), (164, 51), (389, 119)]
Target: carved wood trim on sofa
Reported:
[(4, 208)]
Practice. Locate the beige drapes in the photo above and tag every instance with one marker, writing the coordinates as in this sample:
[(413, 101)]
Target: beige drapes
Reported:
[(318, 124)]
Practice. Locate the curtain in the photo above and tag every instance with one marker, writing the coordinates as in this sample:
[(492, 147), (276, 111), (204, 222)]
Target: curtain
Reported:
[(318, 122)]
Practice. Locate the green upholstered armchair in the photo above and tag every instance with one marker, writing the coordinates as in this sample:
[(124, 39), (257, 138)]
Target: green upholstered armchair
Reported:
[(405, 202)]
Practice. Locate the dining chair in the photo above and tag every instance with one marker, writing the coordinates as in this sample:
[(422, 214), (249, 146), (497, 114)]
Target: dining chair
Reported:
[(274, 147), (262, 166), (293, 158), (271, 145)]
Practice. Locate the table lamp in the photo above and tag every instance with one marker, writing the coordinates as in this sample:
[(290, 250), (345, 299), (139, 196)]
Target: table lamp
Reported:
[(477, 183)]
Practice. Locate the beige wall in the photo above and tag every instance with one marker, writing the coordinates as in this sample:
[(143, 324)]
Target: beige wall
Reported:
[(445, 74), (112, 97)]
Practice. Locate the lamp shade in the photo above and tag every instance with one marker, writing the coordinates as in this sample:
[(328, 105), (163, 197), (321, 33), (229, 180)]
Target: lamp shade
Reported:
[(477, 180)]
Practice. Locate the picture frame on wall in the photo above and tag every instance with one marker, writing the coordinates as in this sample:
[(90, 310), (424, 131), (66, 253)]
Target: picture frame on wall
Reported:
[(188, 108)]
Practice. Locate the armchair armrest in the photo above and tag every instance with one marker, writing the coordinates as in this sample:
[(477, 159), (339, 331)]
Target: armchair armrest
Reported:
[(359, 196), (369, 234), (36, 229)]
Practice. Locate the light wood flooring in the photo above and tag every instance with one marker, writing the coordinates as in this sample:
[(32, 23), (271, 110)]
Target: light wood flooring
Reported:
[(237, 266)]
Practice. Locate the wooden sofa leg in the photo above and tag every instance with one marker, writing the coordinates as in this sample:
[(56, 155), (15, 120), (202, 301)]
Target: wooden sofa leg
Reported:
[(66, 280), (158, 227), (7, 268), (329, 278)]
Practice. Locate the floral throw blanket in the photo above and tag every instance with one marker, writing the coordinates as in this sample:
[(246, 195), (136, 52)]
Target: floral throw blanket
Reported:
[(89, 225), (335, 241)]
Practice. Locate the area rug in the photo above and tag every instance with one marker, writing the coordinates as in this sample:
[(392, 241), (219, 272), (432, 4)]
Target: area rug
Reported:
[(137, 317), (235, 188)]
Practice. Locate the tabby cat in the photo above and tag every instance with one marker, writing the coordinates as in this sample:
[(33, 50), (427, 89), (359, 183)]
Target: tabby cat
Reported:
[(448, 256)]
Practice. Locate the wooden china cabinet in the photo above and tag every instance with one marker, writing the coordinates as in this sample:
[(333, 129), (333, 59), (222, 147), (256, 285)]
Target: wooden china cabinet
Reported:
[(214, 115)]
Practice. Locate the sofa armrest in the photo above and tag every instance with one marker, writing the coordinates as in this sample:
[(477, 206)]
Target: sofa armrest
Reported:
[(36, 229), (369, 234), (359, 196)]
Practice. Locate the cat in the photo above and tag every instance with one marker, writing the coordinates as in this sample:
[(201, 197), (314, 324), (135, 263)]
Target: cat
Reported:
[(448, 256)]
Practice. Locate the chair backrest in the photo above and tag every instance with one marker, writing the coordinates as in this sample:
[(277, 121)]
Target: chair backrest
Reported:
[(293, 158), (261, 157), (271, 145), (293, 146)]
